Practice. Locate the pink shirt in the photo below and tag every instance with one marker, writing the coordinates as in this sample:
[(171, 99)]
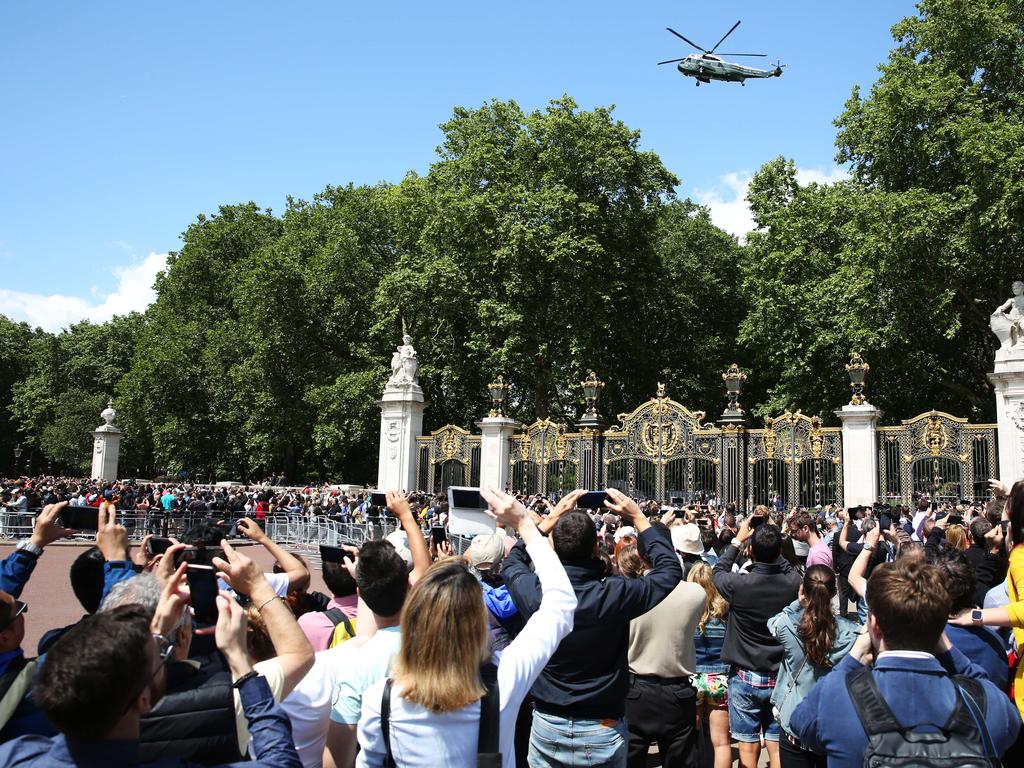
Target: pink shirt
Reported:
[(318, 628), (820, 554)]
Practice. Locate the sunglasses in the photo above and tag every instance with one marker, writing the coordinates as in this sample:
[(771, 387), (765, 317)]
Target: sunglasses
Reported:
[(20, 607)]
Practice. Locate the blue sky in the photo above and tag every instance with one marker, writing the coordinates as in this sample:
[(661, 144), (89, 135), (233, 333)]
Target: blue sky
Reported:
[(123, 121)]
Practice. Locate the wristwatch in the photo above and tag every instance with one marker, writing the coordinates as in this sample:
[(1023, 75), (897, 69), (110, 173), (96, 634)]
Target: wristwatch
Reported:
[(28, 546), (976, 616)]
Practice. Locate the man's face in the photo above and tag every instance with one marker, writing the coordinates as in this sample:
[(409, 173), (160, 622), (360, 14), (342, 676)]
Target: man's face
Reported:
[(799, 533)]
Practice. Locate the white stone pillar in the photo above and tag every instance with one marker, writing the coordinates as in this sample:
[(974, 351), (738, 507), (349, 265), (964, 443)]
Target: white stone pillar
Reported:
[(1008, 380), (860, 454), (401, 422), (495, 433), (106, 442)]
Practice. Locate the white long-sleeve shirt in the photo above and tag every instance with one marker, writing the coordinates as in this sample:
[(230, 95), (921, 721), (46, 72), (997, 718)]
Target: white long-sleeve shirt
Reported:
[(421, 738)]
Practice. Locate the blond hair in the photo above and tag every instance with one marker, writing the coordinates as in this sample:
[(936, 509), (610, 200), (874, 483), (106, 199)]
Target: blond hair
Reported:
[(631, 565), (956, 537), (444, 640), (715, 606)]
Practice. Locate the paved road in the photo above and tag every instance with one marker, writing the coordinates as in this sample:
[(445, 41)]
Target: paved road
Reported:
[(51, 603)]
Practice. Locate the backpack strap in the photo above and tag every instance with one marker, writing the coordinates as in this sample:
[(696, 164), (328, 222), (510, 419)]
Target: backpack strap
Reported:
[(970, 712), (488, 747), (875, 715), (335, 615), (14, 684), (385, 724)]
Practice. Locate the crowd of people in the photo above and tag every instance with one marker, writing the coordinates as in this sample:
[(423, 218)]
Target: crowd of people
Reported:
[(570, 636)]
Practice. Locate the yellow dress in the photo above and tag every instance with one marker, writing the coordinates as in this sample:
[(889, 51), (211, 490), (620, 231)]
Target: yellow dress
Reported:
[(1015, 590)]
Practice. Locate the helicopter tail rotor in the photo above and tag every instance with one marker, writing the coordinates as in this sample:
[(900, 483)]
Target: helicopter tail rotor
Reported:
[(777, 72)]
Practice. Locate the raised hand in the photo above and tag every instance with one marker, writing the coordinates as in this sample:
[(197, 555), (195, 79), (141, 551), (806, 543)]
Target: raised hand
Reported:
[(239, 571), (48, 528), (111, 538)]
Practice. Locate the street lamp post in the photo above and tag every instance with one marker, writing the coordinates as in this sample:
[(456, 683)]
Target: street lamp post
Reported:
[(17, 457)]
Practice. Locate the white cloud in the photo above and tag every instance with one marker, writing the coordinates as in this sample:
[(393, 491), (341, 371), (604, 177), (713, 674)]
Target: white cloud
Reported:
[(133, 292), (727, 200)]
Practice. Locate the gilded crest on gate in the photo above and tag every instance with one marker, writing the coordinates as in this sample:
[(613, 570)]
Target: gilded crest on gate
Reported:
[(450, 445), (660, 439), (935, 437)]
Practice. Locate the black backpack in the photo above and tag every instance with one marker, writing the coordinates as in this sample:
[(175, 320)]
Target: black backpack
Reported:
[(488, 754), (963, 742)]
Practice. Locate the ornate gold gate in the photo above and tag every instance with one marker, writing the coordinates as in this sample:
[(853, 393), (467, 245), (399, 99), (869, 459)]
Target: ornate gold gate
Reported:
[(796, 460), (447, 456), (545, 458), (936, 455), (662, 449)]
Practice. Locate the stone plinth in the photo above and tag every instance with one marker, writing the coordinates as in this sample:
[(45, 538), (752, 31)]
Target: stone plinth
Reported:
[(401, 422), (1008, 380), (860, 453), (106, 450), (495, 433)]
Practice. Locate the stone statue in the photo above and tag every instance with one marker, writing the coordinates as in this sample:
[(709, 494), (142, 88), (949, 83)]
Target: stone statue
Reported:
[(1007, 322), (404, 365)]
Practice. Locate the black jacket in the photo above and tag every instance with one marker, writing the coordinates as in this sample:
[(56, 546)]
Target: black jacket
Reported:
[(989, 570), (195, 718), (754, 598), (588, 676)]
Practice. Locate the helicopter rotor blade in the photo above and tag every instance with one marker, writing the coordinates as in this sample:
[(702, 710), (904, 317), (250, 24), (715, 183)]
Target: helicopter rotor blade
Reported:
[(725, 36), (741, 54), (672, 61), (686, 40)]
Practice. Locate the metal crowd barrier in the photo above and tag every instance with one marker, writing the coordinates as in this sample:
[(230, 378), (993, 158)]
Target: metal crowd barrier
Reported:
[(295, 532)]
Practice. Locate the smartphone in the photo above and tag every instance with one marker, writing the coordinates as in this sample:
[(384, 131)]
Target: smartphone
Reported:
[(80, 518), (438, 535), (197, 556), (757, 521), (884, 521), (1006, 526), (158, 545), (466, 516), (956, 519), (379, 500), (592, 500), (202, 586), (703, 522), (329, 554)]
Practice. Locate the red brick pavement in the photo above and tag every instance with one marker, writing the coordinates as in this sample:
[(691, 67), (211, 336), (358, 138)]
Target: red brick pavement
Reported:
[(51, 603)]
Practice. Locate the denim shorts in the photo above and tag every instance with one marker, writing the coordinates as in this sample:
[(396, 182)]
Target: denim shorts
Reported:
[(750, 709)]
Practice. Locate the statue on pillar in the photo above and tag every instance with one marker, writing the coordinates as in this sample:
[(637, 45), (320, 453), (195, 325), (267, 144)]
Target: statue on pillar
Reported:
[(404, 365), (1007, 322)]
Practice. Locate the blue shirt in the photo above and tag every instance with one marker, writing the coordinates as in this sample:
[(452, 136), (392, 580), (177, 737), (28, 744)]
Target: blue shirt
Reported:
[(15, 570), (917, 690), (983, 647), (268, 725)]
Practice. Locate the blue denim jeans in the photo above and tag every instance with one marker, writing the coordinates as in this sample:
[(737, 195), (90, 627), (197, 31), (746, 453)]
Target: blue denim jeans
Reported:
[(750, 711), (559, 742)]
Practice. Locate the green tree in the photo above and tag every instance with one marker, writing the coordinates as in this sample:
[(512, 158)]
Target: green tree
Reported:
[(68, 379), (16, 340), (530, 252), (905, 261)]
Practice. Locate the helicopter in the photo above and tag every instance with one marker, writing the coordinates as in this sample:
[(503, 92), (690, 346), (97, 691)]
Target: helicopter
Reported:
[(706, 66)]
